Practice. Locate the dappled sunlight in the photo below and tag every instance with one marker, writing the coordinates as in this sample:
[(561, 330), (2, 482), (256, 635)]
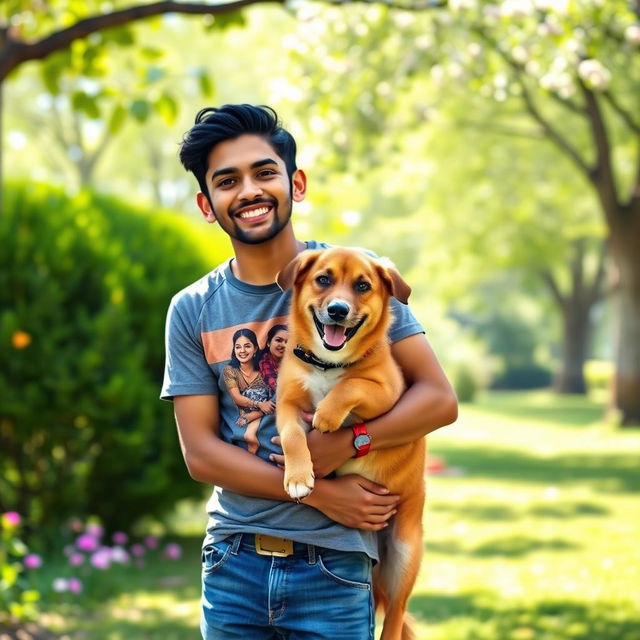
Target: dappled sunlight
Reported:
[(531, 543)]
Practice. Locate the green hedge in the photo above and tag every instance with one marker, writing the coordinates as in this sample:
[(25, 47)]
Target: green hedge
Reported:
[(85, 282)]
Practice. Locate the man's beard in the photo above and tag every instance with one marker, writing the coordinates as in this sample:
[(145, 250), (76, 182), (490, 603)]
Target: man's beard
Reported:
[(247, 237)]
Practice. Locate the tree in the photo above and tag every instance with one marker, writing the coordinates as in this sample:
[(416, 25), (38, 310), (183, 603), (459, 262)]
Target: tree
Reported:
[(566, 72), (571, 67), (80, 33)]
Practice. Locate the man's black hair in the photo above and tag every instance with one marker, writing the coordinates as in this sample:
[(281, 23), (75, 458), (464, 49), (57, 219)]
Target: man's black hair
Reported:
[(217, 124)]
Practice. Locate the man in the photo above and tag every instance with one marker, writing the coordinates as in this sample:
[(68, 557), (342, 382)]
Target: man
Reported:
[(273, 568)]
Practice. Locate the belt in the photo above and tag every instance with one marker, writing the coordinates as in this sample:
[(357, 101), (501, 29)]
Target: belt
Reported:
[(273, 546)]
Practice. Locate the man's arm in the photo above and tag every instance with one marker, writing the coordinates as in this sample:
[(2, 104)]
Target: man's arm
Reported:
[(350, 500), (427, 404)]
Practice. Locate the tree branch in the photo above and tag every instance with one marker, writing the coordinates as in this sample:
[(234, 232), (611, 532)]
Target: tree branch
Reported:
[(16, 52), (622, 112), (550, 281), (501, 129), (551, 132), (560, 141), (602, 175)]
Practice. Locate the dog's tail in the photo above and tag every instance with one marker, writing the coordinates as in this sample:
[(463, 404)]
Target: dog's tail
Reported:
[(408, 628)]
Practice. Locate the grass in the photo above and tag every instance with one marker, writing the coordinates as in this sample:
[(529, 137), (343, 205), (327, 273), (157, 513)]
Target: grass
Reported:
[(532, 534), (536, 538)]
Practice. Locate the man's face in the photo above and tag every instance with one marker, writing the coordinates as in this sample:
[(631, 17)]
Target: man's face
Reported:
[(249, 188)]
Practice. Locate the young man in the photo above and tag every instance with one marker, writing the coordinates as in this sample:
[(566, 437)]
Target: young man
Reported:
[(274, 568)]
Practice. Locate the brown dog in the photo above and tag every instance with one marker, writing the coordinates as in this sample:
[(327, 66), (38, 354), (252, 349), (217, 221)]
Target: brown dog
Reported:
[(339, 317)]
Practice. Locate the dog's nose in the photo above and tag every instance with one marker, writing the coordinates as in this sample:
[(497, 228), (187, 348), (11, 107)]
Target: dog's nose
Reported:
[(338, 311)]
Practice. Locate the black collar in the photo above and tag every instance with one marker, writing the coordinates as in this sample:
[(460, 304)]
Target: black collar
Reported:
[(310, 358)]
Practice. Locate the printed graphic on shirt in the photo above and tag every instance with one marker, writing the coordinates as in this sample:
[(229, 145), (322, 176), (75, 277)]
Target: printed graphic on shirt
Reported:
[(251, 375)]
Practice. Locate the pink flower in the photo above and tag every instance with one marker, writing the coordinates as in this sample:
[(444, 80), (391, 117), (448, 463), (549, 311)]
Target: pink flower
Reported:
[(60, 585), (12, 518), (32, 561), (86, 542), (94, 529), (138, 550), (173, 551), (74, 585), (76, 525), (119, 555), (119, 537), (151, 542), (76, 559), (101, 559)]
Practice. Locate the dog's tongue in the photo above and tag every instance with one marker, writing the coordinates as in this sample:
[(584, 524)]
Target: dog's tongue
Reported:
[(334, 335)]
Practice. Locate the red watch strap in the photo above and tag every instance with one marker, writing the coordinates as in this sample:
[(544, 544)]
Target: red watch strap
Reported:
[(360, 429)]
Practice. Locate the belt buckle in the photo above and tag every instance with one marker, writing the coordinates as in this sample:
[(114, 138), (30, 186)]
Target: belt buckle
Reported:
[(273, 546)]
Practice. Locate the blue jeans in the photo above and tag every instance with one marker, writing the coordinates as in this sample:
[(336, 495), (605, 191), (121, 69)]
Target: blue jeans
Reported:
[(314, 594)]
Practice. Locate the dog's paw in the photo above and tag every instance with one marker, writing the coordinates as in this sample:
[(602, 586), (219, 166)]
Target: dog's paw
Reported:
[(324, 421), (298, 485)]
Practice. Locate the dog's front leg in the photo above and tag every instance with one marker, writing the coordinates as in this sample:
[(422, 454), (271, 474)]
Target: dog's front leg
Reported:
[(298, 467), (364, 398)]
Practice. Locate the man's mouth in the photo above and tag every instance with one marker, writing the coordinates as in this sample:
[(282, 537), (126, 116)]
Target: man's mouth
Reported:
[(335, 336), (255, 211)]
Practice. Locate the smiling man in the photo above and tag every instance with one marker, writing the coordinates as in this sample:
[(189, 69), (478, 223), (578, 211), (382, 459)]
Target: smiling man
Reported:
[(273, 567)]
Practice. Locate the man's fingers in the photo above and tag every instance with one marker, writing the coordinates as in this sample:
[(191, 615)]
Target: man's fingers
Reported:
[(374, 487), (307, 416), (277, 458), (276, 440)]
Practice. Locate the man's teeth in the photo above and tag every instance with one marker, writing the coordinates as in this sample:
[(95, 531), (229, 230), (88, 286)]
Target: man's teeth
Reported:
[(254, 213)]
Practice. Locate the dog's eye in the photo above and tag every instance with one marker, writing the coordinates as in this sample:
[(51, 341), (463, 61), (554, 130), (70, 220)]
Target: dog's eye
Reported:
[(362, 286), (323, 281)]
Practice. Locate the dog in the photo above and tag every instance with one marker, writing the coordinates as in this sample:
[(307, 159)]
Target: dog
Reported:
[(338, 365)]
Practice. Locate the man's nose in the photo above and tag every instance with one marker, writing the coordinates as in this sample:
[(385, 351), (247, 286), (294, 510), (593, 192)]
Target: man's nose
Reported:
[(249, 189)]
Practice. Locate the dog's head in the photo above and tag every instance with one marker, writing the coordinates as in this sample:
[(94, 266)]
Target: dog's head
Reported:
[(341, 298)]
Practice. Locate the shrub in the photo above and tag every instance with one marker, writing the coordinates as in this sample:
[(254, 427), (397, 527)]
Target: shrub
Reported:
[(17, 598), (465, 383), (84, 287), (530, 376)]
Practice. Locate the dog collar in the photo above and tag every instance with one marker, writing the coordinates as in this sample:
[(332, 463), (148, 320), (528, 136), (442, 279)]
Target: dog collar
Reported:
[(310, 358)]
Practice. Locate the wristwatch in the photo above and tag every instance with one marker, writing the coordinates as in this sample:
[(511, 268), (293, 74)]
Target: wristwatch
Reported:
[(361, 440)]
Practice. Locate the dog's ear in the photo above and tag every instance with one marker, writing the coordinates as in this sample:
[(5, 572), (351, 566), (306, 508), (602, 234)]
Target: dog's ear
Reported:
[(392, 279), (297, 268)]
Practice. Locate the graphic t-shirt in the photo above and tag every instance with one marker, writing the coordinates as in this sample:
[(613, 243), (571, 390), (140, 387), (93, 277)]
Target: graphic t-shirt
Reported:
[(207, 323)]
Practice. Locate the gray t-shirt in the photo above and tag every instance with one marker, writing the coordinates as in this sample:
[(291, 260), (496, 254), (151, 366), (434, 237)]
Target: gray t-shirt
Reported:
[(201, 322)]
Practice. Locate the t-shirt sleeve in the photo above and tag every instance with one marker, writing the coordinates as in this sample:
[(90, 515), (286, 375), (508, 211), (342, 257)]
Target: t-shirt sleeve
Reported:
[(229, 377), (186, 371), (404, 322)]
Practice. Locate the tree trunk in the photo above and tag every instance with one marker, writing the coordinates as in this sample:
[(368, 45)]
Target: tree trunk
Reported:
[(626, 253), (577, 332)]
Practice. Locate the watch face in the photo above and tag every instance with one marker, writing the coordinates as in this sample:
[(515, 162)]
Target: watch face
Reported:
[(361, 441)]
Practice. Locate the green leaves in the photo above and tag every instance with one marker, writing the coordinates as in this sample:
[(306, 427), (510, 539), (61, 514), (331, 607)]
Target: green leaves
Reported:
[(167, 108), (86, 104), (140, 109)]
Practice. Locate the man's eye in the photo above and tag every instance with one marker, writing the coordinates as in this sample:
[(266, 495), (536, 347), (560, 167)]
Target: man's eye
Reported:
[(362, 286), (227, 182), (267, 173), (323, 281)]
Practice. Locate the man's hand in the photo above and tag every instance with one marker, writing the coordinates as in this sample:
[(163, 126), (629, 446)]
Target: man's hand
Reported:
[(328, 450), (354, 502)]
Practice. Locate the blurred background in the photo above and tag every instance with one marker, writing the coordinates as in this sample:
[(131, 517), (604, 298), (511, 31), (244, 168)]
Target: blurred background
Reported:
[(490, 149)]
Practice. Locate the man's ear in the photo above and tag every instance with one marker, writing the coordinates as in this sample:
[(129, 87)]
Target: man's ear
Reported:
[(205, 206), (297, 268), (392, 279), (298, 185)]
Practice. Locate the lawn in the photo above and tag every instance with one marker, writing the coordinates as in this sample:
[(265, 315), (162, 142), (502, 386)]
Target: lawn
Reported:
[(531, 532)]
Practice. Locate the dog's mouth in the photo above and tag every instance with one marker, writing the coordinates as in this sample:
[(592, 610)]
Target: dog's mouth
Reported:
[(335, 336)]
